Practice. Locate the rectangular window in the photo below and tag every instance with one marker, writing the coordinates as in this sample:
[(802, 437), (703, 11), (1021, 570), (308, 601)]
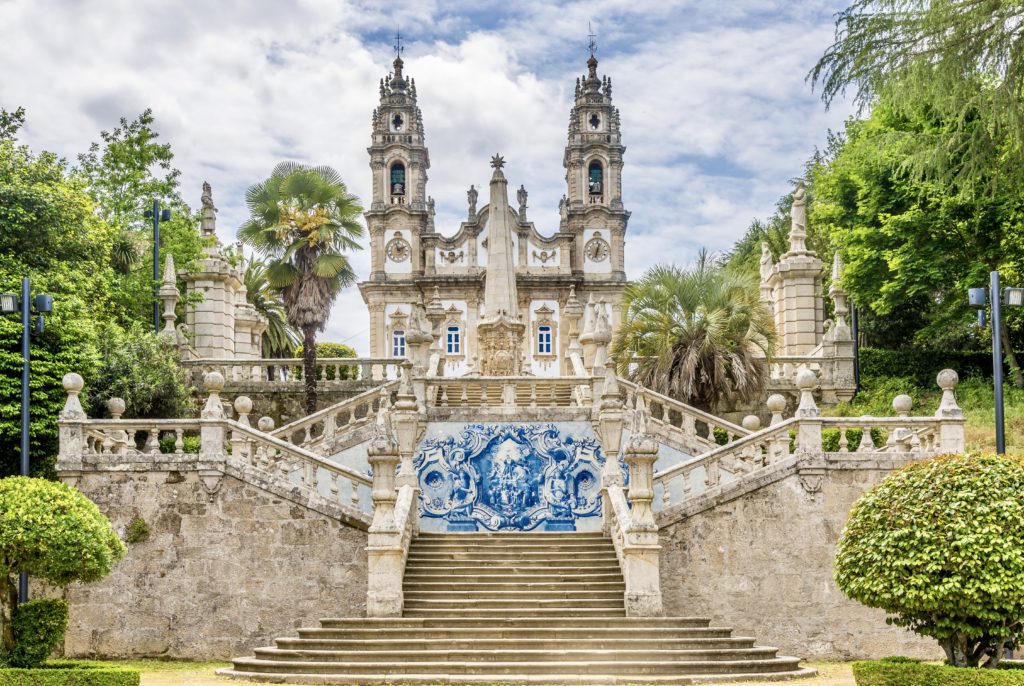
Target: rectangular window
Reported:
[(398, 344), (543, 340), (454, 341)]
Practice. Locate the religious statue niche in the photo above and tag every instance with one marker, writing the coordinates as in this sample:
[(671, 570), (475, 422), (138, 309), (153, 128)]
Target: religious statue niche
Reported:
[(509, 477), (398, 249), (545, 335), (595, 181), (398, 183)]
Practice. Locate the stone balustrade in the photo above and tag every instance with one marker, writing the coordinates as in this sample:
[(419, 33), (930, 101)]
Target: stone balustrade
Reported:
[(509, 392), (288, 371), (318, 431)]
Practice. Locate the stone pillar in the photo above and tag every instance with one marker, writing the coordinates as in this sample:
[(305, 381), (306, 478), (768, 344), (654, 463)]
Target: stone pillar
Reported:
[(796, 288), (385, 556), (70, 421), (602, 336), (169, 296), (808, 435), (779, 448), (571, 315), (587, 335), (641, 552), (211, 434), (610, 423), (406, 419), (951, 431)]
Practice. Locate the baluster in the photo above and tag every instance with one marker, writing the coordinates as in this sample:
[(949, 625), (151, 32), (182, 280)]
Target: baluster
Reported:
[(444, 396), (152, 442), (464, 399), (130, 440), (844, 442), (867, 444), (334, 487), (689, 426), (712, 475), (533, 394), (355, 495), (666, 494), (308, 438), (483, 394), (179, 441), (553, 396)]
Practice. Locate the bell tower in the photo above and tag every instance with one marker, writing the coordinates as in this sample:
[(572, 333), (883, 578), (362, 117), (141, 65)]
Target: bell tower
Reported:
[(592, 208), (399, 161)]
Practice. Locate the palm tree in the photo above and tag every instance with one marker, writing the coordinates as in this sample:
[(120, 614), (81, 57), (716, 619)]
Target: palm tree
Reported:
[(697, 334), (280, 339), (303, 220)]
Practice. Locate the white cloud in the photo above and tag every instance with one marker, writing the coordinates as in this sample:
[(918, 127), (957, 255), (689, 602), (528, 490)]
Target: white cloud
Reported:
[(716, 114)]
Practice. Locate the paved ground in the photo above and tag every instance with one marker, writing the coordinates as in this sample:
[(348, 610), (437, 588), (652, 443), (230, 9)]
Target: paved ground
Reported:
[(202, 674)]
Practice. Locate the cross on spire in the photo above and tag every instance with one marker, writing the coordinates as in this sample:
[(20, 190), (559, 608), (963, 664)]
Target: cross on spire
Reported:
[(398, 43), (593, 39)]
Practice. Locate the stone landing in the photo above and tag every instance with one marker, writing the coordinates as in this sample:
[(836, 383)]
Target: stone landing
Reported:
[(514, 608)]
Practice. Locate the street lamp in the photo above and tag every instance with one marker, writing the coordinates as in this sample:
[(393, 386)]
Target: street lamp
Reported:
[(29, 306), (997, 297), (157, 216)]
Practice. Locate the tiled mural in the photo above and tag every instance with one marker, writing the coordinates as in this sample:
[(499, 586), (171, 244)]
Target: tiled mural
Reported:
[(510, 477)]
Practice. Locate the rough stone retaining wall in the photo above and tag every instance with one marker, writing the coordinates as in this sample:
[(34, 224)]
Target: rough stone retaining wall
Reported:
[(761, 562), (218, 575)]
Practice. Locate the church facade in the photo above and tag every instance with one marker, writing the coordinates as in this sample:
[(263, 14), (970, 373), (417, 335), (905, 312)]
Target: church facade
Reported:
[(496, 294)]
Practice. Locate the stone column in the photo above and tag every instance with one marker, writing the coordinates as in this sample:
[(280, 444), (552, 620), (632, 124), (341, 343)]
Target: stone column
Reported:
[(406, 419), (808, 435), (951, 431), (169, 296), (641, 552), (385, 557), (211, 434), (71, 420)]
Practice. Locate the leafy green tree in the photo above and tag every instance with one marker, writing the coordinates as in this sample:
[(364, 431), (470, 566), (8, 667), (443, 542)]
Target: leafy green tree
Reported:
[(142, 369), (123, 174), (964, 58), (939, 546), (54, 533), (326, 349), (304, 220), (11, 123), (698, 334), (280, 339)]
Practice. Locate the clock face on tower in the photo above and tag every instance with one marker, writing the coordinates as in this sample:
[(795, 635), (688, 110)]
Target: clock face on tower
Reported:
[(398, 249), (597, 249)]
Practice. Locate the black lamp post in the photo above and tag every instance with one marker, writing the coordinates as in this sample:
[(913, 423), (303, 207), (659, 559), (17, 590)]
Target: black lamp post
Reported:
[(157, 216), (29, 306), (997, 297)]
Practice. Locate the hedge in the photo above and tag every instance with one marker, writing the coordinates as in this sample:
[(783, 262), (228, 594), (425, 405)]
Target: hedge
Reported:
[(39, 627), (64, 673), (923, 365), (886, 673)]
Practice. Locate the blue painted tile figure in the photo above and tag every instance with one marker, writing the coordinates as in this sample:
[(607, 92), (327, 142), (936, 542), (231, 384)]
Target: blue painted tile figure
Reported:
[(509, 477)]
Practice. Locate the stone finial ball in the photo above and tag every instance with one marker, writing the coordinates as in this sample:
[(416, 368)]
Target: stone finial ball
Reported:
[(947, 379), (751, 422), (73, 383), (776, 403), (902, 403), (243, 404), (806, 380), (115, 406), (265, 424), (213, 381)]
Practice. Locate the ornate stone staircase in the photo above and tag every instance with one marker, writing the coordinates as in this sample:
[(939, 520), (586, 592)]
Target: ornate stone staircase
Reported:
[(514, 608)]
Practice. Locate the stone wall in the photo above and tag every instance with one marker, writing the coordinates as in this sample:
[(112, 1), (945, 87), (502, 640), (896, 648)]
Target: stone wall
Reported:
[(761, 562), (219, 574)]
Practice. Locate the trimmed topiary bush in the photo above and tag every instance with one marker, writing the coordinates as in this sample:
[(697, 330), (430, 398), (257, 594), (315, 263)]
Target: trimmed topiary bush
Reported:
[(54, 533), (39, 626), (890, 673), (939, 545), (66, 673)]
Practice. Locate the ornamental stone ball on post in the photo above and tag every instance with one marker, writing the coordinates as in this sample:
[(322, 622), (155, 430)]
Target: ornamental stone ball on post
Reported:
[(115, 406), (211, 434), (265, 424), (776, 404), (243, 406), (71, 433), (73, 384), (807, 381), (751, 423), (902, 404), (951, 431), (808, 434), (213, 382)]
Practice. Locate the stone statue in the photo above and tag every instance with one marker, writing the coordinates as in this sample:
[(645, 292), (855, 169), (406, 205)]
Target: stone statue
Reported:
[(798, 234), (209, 225), (472, 195), (766, 261), (521, 196)]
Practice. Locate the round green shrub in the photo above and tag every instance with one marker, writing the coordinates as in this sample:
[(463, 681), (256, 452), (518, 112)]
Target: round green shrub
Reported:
[(939, 545), (39, 627)]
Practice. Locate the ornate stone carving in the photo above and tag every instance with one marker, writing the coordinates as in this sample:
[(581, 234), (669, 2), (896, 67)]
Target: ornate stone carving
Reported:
[(451, 257), (545, 256)]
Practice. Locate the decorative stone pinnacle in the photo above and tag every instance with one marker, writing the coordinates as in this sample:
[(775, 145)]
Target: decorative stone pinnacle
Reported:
[(73, 384), (497, 162)]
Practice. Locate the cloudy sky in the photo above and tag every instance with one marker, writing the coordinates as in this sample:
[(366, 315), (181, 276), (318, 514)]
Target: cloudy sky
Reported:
[(716, 113)]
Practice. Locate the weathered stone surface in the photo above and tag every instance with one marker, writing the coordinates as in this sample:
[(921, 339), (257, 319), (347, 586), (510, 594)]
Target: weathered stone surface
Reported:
[(214, 578), (762, 564)]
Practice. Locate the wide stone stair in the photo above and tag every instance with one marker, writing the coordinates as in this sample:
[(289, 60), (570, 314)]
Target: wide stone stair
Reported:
[(538, 608)]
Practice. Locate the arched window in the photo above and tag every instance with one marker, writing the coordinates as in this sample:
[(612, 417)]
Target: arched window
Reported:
[(595, 178), (454, 340), (397, 179), (398, 343), (544, 340)]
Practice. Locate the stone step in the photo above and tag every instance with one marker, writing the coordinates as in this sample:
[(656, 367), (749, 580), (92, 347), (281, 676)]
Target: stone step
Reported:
[(515, 612), (499, 578), (420, 585), (614, 623), (512, 654), (470, 537), (516, 570), (501, 556), (582, 678), (444, 642), (467, 595), (524, 605), (525, 546), (487, 633), (500, 668)]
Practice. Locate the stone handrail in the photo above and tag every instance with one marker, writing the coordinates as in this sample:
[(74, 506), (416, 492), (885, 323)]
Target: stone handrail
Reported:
[(785, 367), (508, 391), (743, 456), (289, 370), (617, 513), (693, 428), (315, 431), (123, 436), (901, 434)]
